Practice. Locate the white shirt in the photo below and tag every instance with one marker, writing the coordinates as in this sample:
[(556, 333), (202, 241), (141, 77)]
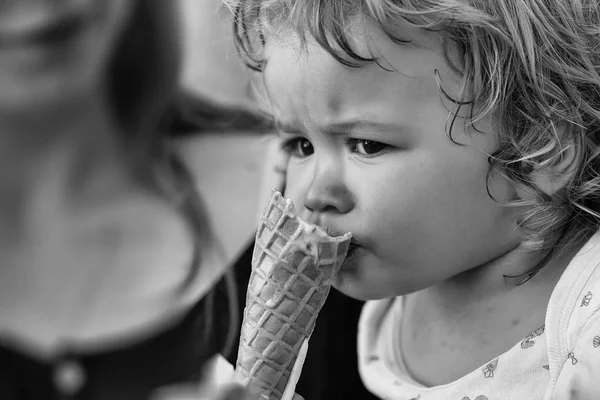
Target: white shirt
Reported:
[(560, 360)]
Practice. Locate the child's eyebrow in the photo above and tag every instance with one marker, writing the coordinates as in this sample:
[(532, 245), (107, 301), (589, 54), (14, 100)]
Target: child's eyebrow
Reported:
[(282, 126), (346, 127)]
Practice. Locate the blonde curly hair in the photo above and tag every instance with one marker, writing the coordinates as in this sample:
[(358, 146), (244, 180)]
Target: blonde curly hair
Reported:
[(533, 66)]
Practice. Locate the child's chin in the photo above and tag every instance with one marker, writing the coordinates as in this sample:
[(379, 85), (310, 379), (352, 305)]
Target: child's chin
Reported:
[(360, 293), (355, 255), (355, 279), (349, 283)]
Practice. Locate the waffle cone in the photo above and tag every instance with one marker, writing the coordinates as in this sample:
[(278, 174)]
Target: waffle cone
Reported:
[(293, 265)]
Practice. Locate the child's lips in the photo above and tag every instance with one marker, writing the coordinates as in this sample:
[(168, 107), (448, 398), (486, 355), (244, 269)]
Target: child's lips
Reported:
[(333, 232), (354, 250)]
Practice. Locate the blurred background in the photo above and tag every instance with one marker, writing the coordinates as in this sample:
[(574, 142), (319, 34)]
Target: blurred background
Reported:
[(212, 67), (229, 164)]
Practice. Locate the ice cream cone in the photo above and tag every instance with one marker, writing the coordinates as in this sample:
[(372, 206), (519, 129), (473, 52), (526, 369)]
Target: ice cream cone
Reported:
[(292, 269)]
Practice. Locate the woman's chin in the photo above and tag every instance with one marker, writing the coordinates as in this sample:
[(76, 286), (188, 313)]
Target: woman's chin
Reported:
[(44, 93)]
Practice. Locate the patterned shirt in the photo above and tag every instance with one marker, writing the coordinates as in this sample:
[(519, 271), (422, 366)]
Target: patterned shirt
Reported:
[(559, 360)]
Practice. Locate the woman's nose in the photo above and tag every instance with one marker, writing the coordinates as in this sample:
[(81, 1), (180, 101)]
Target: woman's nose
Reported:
[(328, 191)]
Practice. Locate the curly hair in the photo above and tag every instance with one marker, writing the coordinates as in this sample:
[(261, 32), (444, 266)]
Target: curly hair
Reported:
[(532, 66)]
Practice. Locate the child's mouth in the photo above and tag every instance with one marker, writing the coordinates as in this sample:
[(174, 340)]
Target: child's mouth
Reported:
[(354, 250)]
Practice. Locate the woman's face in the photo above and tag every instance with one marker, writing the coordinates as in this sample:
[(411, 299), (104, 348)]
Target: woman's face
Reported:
[(52, 51)]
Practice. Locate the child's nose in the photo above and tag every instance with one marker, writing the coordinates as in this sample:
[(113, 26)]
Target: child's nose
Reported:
[(328, 193)]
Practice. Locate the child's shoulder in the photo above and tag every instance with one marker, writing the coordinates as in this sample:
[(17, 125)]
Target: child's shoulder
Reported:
[(576, 297), (574, 307), (573, 326)]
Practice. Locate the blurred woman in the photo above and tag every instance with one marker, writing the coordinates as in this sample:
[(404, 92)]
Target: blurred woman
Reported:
[(108, 270)]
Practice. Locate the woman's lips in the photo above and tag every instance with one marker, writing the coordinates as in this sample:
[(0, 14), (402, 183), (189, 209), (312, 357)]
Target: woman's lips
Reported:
[(52, 31)]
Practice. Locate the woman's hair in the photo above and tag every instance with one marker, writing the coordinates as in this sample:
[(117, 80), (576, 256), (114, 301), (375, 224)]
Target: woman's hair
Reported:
[(533, 66), (143, 82), (194, 114)]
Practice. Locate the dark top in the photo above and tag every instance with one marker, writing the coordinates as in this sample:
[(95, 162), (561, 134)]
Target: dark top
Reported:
[(129, 373), (177, 355), (330, 371)]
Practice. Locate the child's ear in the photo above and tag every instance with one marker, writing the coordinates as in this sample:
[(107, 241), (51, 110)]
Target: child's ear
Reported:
[(554, 177)]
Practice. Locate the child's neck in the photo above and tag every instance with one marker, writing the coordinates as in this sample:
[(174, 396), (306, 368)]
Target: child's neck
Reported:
[(475, 310), (491, 282)]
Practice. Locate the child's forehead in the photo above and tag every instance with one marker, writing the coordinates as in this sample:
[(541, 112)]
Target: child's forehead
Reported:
[(401, 30), (324, 92), (367, 37), (308, 61), (305, 81)]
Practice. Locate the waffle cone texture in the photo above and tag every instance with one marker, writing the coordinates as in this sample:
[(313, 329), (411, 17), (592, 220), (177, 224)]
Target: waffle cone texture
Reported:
[(293, 265)]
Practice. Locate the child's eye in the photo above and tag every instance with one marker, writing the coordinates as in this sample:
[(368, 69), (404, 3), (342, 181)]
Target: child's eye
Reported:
[(298, 147), (367, 148)]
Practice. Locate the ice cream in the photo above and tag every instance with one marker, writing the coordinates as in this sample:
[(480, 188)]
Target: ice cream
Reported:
[(292, 269)]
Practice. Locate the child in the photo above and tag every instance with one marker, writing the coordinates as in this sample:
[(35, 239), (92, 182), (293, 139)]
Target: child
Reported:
[(459, 142)]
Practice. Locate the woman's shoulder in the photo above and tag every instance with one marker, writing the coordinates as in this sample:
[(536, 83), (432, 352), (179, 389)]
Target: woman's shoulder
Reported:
[(128, 370)]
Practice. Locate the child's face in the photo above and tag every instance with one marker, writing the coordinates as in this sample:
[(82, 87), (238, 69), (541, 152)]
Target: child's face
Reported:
[(369, 154)]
